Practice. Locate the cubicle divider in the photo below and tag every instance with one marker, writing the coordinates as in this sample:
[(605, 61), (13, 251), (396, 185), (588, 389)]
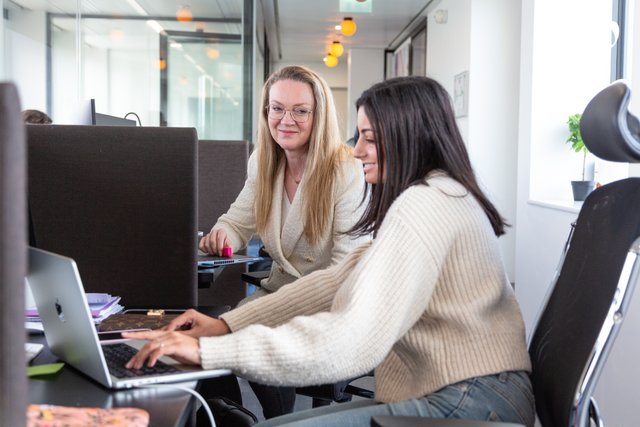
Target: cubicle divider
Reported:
[(13, 258), (222, 171), (121, 201)]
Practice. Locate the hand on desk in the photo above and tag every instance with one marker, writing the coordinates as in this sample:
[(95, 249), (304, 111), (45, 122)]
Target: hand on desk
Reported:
[(214, 242), (179, 339)]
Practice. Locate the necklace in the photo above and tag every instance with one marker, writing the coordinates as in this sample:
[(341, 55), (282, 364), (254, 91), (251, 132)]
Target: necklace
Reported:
[(297, 181)]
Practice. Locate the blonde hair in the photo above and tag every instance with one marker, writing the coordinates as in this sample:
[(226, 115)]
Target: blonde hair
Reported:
[(326, 150)]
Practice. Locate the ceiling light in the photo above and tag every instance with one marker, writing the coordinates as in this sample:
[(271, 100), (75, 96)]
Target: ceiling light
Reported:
[(116, 34), (330, 61), (348, 26), (183, 14), (213, 53), (336, 49)]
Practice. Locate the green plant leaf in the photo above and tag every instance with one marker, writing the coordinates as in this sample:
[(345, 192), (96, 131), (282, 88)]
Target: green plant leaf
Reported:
[(575, 139)]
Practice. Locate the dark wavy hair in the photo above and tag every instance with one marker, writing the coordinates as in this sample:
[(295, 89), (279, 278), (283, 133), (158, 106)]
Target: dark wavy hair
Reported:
[(415, 133), (36, 117)]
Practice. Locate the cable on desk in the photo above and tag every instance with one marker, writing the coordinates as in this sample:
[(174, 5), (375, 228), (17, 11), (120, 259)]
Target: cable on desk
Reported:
[(137, 117), (188, 390)]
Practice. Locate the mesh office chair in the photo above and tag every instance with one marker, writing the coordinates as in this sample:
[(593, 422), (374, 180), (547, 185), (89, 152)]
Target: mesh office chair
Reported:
[(589, 300)]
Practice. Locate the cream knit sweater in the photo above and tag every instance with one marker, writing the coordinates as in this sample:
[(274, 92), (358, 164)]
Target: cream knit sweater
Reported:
[(426, 304)]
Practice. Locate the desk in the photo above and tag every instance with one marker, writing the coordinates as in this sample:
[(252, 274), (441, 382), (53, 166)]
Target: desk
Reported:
[(206, 276), (166, 407)]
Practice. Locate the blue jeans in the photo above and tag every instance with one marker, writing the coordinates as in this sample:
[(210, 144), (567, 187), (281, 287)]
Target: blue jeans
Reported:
[(504, 397), (275, 401)]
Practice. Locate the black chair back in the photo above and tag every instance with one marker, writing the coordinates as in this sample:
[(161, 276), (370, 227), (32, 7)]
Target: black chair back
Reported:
[(598, 275), (565, 349)]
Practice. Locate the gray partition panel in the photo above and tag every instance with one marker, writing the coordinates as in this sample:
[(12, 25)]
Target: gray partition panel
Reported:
[(121, 201), (13, 257)]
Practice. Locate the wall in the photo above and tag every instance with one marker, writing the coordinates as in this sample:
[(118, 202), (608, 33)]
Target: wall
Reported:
[(482, 39), (24, 42), (366, 67), (494, 70), (3, 47)]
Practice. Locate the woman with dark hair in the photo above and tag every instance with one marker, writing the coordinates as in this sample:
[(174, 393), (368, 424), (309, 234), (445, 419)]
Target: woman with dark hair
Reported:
[(36, 117), (427, 303)]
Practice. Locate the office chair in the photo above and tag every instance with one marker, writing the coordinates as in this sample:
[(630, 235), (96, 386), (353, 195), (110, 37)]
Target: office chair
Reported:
[(13, 257), (590, 297)]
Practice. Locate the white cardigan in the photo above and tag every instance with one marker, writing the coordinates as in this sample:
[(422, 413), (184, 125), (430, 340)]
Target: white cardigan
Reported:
[(293, 256)]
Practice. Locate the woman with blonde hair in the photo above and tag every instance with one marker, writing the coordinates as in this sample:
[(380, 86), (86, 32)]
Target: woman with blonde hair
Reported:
[(303, 193)]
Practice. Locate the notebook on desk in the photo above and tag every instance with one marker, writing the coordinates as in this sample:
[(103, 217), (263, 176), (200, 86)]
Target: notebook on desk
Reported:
[(69, 330)]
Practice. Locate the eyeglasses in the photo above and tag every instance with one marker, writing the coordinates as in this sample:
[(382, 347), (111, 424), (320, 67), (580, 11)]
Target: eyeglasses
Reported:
[(298, 114)]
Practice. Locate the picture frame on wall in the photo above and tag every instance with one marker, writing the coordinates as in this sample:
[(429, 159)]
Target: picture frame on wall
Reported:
[(461, 94)]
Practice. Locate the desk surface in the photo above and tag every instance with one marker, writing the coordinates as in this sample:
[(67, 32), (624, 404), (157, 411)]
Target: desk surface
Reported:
[(167, 407)]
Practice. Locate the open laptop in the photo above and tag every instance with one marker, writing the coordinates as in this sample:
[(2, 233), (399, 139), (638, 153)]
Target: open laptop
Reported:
[(60, 298)]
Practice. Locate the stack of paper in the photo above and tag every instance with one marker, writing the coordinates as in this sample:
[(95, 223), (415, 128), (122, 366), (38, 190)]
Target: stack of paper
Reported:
[(101, 306)]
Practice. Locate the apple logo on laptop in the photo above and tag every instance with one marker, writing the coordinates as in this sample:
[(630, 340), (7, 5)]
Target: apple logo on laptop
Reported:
[(59, 311)]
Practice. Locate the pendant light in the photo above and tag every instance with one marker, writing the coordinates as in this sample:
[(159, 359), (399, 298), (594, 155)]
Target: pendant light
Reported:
[(348, 26), (336, 49), (330, 61), (183, 14)]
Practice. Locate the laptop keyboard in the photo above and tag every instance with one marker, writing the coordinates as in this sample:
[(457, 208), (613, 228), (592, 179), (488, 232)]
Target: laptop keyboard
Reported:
[(117, 355)]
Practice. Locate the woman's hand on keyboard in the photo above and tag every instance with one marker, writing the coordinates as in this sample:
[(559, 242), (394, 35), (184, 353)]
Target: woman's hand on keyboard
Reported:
[(181, 347)]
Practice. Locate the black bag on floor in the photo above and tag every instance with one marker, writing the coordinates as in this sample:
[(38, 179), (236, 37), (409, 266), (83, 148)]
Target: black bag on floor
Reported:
[(228, 413)]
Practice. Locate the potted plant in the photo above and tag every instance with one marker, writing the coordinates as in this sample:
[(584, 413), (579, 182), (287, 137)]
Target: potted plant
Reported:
[(581, 189)]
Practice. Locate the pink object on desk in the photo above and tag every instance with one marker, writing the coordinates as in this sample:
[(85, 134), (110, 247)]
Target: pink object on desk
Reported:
[(227, 252)]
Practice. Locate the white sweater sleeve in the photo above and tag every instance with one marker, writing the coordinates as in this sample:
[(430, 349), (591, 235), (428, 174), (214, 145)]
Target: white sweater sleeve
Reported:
[(379, 299)]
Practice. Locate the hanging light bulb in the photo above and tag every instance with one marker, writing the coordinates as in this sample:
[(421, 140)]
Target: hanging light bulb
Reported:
[(336, 49), (162, 63), (183, 14), (330, 61), (348, 26), (213, 53), (116, 34)]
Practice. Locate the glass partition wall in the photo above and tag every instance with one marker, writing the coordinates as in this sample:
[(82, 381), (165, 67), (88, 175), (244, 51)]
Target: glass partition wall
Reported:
[(186, 63)]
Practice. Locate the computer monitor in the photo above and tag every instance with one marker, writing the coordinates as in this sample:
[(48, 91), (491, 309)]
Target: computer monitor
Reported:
[(107, 120)]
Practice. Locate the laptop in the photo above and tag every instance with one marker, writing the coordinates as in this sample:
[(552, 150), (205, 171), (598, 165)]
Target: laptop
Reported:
[(70, 332), (212, 261)]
